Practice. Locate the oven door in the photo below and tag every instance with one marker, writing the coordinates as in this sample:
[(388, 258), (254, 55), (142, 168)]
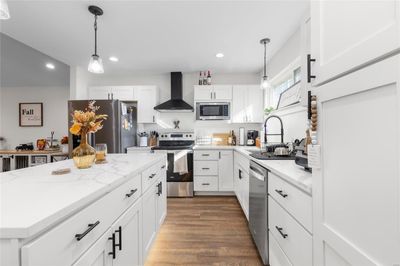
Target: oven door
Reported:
[(180, 184), (213, 111)]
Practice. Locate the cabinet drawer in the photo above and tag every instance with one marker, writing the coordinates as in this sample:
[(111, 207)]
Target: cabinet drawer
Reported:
[(206, 183), (61, 245), (276, 255), (206, 155), (293, 200), (293, 239), (206, 168), (150, 175)]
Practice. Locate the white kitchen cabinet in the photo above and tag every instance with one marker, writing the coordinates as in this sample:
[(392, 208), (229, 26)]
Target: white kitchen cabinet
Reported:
[(348, 34), (242, 181), (147, 98), (150, 224), (356, 191), (213, 93), (161, 200), (123, 93), (225, 171), (247, 104), (128, 236), (98, 254)]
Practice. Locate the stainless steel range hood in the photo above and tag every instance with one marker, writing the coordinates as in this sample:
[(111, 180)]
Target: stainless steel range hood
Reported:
[(176, 104)]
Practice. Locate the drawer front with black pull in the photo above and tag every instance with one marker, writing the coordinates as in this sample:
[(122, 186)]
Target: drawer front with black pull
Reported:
[(150, 175), (206, 183), (63, 244), (206, 155), (292, 238), (206, 168), (292, 199)]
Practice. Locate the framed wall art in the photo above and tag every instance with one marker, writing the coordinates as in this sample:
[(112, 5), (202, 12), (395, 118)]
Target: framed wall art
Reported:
[(31, 114), (290, 96)]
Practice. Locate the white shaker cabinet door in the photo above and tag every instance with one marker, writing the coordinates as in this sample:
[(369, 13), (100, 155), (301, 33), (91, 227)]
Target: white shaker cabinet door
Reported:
[(347, 34), (222, 92), (100, 93), (356, 192), (203, 93), (239, 111), (99, 254), (123, 93), (128, 233), (149, 205), (161, 199), (225, 171), (147, 98), (255, 104)]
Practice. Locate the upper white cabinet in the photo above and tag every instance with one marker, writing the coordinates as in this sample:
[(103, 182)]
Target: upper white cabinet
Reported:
[(348, 34), (356, 196), (147, 98), (213, 93), (247, 104), (125, 93), (225, 170)]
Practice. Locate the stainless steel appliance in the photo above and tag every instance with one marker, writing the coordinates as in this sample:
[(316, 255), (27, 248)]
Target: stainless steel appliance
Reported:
[(179, 148), (301, 157), (213, 111), (119, 130), (251, 137), (258, 209)]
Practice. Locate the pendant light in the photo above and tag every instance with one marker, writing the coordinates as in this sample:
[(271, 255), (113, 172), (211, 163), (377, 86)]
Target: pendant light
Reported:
[(4, 13), (264, 81), (95, 64)]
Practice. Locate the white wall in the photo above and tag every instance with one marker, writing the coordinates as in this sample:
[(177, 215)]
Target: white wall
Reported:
[(54, 101)]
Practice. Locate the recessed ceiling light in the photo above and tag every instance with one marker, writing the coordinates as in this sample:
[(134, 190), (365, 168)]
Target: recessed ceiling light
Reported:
[(50, 66), (219, 55), (113, 59)]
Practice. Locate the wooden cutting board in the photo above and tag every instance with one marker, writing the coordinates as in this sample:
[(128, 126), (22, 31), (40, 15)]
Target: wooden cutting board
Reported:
[(220, 138)]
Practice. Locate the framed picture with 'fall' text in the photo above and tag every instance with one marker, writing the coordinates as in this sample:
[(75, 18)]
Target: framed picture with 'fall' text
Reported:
[(31, 114)]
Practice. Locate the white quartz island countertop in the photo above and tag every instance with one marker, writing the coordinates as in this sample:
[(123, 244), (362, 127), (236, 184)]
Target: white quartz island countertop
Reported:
[(286, 169), (33, 199)]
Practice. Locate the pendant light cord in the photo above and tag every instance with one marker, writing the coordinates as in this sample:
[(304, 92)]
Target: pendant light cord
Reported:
[(95, 35), (265, 59)]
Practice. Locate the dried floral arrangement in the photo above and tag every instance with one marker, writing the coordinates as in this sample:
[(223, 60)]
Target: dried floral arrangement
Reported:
[(87, 121)]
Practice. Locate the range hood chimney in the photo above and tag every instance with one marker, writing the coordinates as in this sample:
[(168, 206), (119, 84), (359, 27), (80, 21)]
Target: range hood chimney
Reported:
[(176, 104)]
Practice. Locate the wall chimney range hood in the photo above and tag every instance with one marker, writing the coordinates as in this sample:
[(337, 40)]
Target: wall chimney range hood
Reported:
[(176, 104)]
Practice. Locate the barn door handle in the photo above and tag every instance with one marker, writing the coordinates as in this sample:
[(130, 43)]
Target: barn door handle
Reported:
[(309, 76)]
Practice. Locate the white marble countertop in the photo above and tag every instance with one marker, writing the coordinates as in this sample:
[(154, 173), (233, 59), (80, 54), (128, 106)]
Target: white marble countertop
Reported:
[(32, 199), (286, 169)]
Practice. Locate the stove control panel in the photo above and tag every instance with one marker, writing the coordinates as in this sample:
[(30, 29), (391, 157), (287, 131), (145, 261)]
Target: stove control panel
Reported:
[(177, 136)]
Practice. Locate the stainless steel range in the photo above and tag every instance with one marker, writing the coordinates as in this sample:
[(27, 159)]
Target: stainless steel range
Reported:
[(179, 148)]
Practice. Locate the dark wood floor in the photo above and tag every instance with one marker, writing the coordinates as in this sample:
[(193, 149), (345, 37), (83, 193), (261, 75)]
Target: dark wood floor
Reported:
[(204, 231)]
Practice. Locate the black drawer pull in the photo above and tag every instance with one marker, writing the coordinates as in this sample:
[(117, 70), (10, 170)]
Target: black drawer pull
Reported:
[(159, 189), (309, 76), (280, 231), (152, 175), (205, 168), (133, 191), (240, 174), (113, 246), (205, 154), (280, 192), (119, 231), (205, 184), (162, 167), (90, 228)]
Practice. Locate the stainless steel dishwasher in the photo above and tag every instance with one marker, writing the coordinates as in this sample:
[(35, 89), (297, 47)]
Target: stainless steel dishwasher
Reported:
[(258, 209)]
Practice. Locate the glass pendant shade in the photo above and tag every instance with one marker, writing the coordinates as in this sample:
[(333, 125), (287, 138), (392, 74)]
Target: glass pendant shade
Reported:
[(96, 65), (265, 83), (4, 13)]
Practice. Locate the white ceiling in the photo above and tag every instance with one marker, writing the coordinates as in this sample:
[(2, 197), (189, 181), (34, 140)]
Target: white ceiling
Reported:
[(157, 36)]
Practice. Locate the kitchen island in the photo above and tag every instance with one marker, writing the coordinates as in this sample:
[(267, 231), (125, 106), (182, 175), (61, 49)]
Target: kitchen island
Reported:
[(75, 218)]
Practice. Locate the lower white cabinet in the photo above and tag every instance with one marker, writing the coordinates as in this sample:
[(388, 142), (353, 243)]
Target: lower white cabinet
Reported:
[(213, 170), (276, 255), (242, 181)]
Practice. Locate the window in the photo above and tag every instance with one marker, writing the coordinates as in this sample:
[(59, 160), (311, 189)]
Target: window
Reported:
[(289, 79)]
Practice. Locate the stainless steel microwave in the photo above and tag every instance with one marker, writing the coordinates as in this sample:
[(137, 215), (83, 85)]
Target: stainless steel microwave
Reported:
[(213, 111)]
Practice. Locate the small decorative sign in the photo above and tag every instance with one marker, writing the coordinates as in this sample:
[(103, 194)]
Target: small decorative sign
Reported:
[(314, 156), (31, 114)]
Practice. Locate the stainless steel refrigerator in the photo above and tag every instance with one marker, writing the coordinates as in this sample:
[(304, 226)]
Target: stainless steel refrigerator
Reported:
[(119, 130)]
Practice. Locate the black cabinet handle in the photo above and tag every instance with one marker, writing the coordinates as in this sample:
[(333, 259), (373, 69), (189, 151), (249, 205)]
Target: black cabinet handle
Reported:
[(205, 168), (90, 228), (280, 231), (205, 184), (133, 191), (240, 174), (205, 154), (309, 76), (152, 175), (113, 246), (119, 231), (280, 192), (159, 189), (162, 167)]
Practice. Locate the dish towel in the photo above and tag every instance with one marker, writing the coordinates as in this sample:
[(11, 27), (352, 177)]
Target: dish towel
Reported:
[(180, 162)]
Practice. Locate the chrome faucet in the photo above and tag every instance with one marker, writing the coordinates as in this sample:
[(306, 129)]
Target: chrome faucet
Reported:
[(265, 128)]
